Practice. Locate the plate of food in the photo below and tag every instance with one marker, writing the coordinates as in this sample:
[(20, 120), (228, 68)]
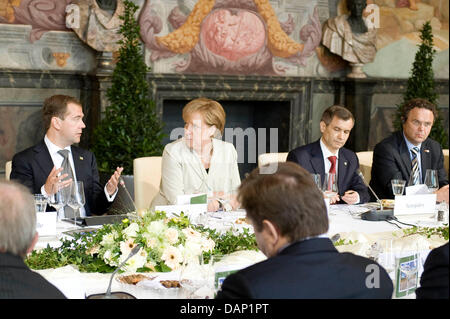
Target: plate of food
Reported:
[(388, 203)]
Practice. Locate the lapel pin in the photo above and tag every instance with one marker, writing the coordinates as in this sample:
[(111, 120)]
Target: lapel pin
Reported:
[(345, 163), (81, 158), (426, 151)]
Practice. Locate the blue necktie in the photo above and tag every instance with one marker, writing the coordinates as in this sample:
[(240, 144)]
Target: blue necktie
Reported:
[(415, 166)]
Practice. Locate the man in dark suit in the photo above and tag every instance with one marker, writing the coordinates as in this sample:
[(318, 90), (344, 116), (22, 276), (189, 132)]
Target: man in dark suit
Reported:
[(394, 156), (328, 155), (17, 238), (44, 169), (434, 280), (289, 224)]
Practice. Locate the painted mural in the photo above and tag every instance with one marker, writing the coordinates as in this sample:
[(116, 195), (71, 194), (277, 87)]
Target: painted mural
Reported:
[(250, 36), (398, 35), (228, 37)]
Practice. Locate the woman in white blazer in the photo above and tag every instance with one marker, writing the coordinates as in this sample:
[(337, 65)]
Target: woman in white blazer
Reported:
[(199, 162)]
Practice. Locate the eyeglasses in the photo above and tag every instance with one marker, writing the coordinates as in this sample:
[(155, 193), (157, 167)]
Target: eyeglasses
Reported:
[(417, 123)]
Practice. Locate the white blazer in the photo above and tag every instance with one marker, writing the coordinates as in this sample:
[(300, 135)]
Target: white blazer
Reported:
[(183, 172)]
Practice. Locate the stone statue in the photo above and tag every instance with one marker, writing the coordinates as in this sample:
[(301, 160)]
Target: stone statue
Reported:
[(349, 37), (99, 23)]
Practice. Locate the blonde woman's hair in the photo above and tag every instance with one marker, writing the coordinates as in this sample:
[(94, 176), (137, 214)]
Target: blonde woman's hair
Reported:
[(211, 111)]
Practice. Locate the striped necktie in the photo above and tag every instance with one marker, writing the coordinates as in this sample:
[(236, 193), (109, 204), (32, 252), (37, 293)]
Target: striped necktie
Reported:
[(414, 179), (67, 169)]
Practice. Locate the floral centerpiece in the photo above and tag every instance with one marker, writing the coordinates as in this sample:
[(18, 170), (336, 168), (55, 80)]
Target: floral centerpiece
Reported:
[(166, 244)]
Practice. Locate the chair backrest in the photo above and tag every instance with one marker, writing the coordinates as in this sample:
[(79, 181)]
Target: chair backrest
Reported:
[(8, 169), (365, 164), (267, 158), (445, 151), (147, 178)]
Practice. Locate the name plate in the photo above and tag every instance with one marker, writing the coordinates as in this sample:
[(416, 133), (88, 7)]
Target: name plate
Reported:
[(192, 199), (415, 204), (46, 223)]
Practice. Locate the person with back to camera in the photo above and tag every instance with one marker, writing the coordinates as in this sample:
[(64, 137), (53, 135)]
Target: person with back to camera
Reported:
[(200, 162), (17, 238), (290, 221)]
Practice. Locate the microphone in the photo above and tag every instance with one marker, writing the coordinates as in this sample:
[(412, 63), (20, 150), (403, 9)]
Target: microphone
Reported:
[(364, 180), (133, 252), (122, 183), (373, 215)]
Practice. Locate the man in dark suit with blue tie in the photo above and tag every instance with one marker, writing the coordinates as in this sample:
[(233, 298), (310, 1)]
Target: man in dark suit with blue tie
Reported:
[(55, 162), (290, 221), (409, 152), (328, 155)]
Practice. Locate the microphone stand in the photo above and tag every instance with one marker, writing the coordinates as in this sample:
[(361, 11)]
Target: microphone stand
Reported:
[(378, 200), (133, 252), (122, 183)]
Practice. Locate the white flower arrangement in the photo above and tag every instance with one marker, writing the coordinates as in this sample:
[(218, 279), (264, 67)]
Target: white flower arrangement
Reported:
[(166, 244)]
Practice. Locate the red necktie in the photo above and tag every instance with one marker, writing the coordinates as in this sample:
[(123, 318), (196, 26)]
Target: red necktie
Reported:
[(333, 164)]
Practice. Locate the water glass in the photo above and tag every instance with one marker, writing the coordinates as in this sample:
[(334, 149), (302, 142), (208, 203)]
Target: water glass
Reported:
[(431, 180), (76, 198), (398, 186), (59, 199), (196, 278), (317, 180), (329, 186), (40, 203)]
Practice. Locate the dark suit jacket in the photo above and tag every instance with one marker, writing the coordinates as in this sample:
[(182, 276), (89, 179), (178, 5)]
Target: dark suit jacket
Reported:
[(310, 157), (311, 269), (17, 281), (32, 166), (434, 280), (391, 160)]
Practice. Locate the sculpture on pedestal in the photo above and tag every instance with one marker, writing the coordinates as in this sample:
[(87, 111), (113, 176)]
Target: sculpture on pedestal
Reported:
[(349, 37), (99, 25)]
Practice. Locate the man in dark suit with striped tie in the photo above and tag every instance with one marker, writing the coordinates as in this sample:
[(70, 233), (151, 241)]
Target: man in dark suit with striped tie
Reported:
[(328, 155), (407, 154), (56, 162)]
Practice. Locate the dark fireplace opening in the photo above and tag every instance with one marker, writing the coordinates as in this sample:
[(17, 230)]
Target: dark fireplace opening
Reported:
[(254, 127)]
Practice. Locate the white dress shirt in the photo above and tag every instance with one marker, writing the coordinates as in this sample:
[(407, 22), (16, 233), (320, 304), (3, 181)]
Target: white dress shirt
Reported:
[(57, 162), (327, 153)]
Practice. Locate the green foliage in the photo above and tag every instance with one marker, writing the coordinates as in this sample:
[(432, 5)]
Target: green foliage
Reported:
[(421, 84), (130, 127), (83, 250), (229, 242), (343, 242), (427, 231)]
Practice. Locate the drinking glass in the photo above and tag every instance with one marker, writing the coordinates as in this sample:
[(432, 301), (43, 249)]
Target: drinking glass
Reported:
[(59, 199), (76, 198), (317, 180), (329, 187), (40, 203), (398, 186), (196, 278), (431, 180)]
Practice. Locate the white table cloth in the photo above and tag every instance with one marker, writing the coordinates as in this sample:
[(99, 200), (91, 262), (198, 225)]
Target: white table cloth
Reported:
[(343, 220)]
